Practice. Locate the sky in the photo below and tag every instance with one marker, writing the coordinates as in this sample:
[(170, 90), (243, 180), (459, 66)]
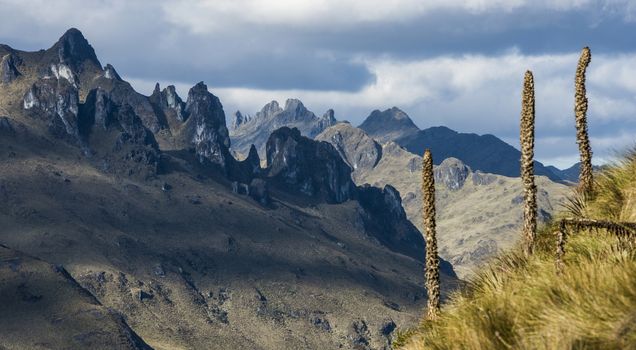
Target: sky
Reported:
[(444, 62)]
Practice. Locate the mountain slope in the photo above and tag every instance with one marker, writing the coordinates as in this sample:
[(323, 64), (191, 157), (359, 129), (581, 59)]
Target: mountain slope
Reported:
[(48, 302), (572, 173), (529, 306), (479, 214), (140, 200), (388, 125), (481, 152), (485, 153)]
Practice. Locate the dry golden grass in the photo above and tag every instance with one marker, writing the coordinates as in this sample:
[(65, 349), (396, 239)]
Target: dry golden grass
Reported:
[(521, 303)]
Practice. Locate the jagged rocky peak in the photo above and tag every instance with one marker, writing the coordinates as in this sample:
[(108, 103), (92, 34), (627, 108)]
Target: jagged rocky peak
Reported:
[(169, 102), (311, 167), (328, 119), (9, 68), (240, 119), (482, 179), (256, 129), (297, 108), (388, 125), (294, 111), (329, 116), (73, 49), (133, 128), (205, 126), (385, 219), (452, 173), (157, 90), (253, 158), (243, 172), (269, 110), (357, 148), (172, 98), (111, 73), (135, 150), (174, 102)]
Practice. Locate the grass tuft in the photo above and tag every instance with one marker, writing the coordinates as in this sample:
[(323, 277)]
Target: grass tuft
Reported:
[(519, 302)]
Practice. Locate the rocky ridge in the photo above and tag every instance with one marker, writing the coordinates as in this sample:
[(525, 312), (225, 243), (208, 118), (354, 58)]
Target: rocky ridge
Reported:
[(478, 214), (255, 130), (388, 125), (485, 153)]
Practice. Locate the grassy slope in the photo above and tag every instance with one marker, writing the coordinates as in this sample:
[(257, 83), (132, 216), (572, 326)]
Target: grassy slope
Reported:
[(519, 303)]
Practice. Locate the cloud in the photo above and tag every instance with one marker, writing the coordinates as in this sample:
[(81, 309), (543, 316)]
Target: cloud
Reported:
[(346, 13), (298, 13), (445, 62)]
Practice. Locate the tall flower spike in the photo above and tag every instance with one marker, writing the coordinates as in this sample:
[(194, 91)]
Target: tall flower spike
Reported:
[(586, 181), (527, 164), (432, 259)]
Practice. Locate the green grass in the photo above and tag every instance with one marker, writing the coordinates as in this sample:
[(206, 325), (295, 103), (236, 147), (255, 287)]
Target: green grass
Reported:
[(521, 303)]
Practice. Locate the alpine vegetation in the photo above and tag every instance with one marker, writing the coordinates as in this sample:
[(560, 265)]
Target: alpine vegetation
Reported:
[(432, 259), (580, 113), (527, 164)]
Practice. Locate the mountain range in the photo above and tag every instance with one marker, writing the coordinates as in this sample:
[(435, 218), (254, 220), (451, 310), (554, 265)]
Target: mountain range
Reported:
[(486, 153), (478, 214), (385, 150), (247, 130), (127, 223)]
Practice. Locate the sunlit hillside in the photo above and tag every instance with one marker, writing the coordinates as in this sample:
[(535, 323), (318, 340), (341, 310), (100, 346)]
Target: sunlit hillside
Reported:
[(519, 303)]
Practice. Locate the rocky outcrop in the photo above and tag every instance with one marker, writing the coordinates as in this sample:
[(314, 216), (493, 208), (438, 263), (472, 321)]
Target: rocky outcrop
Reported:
[(255, 130), (483, 179), (122, 93), (55, 98), (204, 128), (246, 170), (73, 50), (239, 119), (355, 147), (57, 102), (9, 68), (386, 220), (111, 73), (169, 103), (174, 101), (386, 200), (269, 110), (102, 108), (136, 144), (135, 150), (328, 119), (313, 168), (452, 173), (388, 125)]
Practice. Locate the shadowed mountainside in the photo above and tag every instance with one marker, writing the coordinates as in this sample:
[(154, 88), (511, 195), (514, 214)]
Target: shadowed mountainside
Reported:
[(170, 238)]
